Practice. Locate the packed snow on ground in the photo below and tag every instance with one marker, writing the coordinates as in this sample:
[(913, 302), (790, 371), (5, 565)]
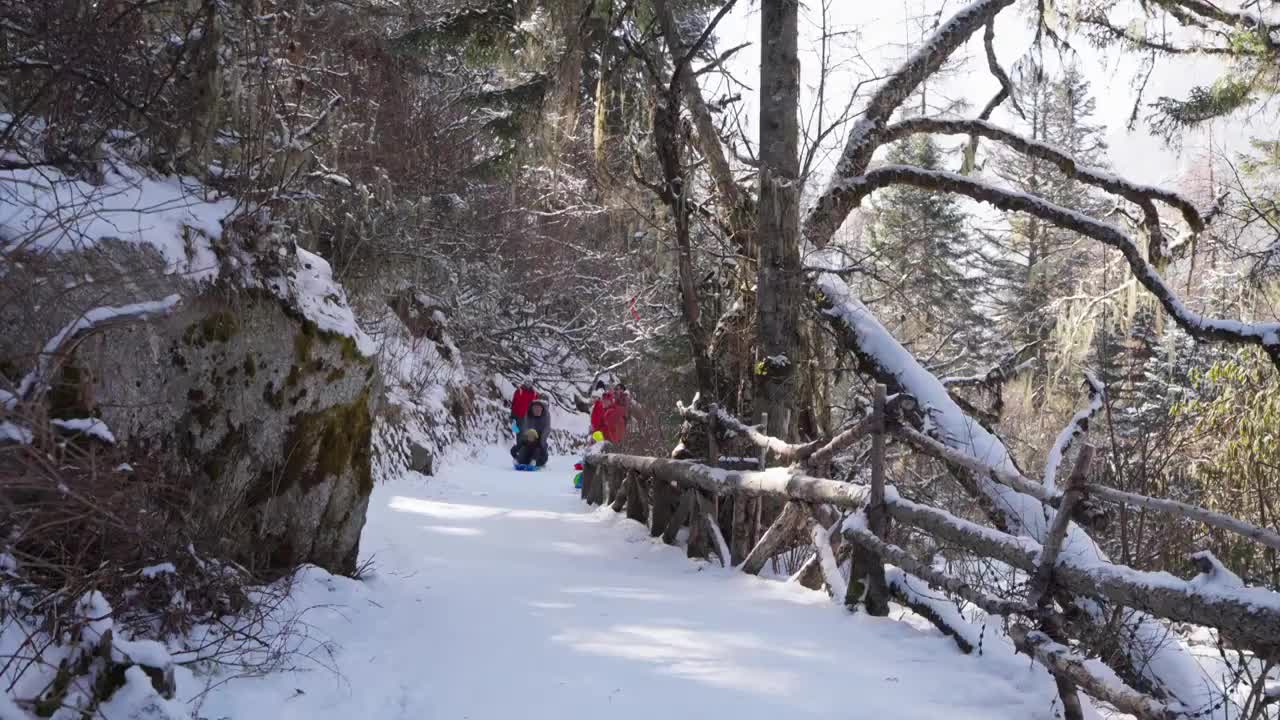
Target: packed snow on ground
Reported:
[(498, 595)]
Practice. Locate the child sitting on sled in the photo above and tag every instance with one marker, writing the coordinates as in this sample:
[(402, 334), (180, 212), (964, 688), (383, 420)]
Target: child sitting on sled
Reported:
[(531, 443)]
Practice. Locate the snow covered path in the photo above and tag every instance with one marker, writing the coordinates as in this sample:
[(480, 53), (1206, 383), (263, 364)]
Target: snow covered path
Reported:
[(499, 595)]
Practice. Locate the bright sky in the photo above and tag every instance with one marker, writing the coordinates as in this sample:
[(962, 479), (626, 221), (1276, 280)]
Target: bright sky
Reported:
[(876, 36)]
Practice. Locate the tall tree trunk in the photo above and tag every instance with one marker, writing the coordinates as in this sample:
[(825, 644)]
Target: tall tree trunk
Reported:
[(778, 226), (668, 143)]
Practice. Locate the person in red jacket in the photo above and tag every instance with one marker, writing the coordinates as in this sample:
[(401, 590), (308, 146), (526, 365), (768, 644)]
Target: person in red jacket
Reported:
[(520, 402), (609, 416), (603, 403)]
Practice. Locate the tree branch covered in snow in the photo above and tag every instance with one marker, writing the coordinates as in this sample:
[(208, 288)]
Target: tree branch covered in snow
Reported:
[(1134, 192), (1078, 426), (1248, 613), (1265, 335), (837, 201), (36, 381), (1093, 677)]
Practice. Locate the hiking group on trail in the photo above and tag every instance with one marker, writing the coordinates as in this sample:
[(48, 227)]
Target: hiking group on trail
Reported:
[(531, 421)]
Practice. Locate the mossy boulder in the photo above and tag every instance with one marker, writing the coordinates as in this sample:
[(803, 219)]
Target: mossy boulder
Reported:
[(262, 418)]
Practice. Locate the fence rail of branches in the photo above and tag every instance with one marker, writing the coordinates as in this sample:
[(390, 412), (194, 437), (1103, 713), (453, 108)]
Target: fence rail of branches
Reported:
[(745, 518)]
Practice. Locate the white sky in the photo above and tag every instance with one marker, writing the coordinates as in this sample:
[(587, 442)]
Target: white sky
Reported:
[(879, 32)]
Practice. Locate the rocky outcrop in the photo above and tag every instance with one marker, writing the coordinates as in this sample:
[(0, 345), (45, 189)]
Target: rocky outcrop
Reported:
[(250, 398)]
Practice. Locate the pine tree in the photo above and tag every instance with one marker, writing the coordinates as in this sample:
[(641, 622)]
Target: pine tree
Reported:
[(925, 251), (1035, 263)]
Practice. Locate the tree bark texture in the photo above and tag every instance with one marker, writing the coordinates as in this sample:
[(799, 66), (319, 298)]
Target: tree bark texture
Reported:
[(778, 280)]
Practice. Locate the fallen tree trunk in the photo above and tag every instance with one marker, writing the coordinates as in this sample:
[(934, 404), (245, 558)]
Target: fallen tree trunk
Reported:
[(1192, 512), (823, 455), (1249, 615), (780, 482), (792, 519), (1094, 678), (782, 450), (1086, 513), (901, 558), (826, 559)]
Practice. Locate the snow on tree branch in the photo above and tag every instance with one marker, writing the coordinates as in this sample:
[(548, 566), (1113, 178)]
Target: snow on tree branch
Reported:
[(837, 201), (1078, 426), (1264, 334), (1167, 665), (1134, 192), (1092, 676)]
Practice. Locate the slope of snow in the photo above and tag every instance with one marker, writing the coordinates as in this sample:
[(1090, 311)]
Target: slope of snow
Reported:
[(44, 209), (500, 595)]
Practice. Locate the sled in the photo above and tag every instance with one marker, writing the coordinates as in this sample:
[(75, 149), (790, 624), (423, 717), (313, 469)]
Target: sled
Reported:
[(527, 468)]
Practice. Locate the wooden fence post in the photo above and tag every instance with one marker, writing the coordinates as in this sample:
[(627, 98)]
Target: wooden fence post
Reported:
[(713, 445), (739, 534), (1040, 594), (757, 504), (664, 500), (764, 451), (638, 499), (588, 478), (866, 577)]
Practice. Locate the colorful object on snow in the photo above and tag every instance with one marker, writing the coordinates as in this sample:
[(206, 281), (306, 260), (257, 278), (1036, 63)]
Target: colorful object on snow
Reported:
[(522, 467), (515, 428), (597, 436), (577, 479)]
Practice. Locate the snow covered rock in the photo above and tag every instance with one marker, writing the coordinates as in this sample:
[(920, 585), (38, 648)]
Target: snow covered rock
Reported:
[(254, 389)]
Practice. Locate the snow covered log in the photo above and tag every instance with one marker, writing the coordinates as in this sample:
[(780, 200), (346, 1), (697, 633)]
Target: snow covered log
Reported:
[(1251, 616), (1004, 476), (826, 559), (1261, 535), (901, 558), (1089, 514), (937, 610), (781, 450), (775, 482), (793, 517), (1091, 676)]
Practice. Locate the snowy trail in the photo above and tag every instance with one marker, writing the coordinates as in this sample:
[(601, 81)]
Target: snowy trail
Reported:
[(499, 594)]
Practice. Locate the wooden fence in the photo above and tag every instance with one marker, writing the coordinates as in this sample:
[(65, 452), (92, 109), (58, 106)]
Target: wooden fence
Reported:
[(725, 513)]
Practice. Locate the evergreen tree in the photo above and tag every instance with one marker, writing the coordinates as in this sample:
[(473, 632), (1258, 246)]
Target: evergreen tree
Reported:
[(925, 252), (1035, 263)]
